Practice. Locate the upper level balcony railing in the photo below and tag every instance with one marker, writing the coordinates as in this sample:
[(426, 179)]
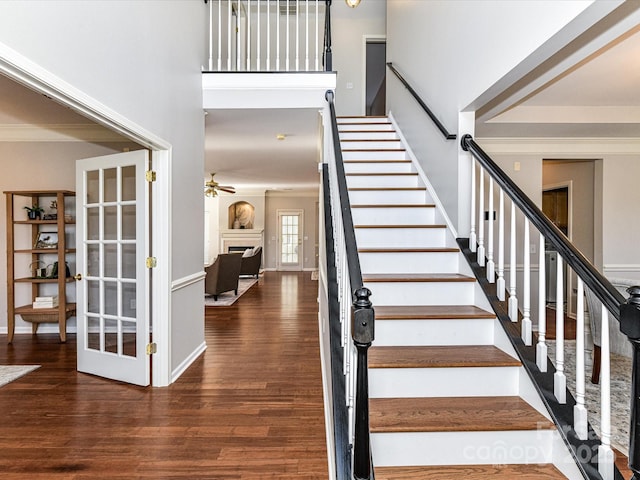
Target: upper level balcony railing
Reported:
[(269, 35)]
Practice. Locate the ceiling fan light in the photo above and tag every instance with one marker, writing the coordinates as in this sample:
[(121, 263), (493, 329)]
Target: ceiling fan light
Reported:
[(352, 3)]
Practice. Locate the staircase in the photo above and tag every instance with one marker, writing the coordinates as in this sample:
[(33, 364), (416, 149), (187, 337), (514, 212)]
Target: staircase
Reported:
[(448, 395)]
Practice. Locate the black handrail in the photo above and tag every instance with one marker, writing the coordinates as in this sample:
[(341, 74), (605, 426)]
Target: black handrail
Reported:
[(362, 315), (594, 280), (327, 54), (441, 127)]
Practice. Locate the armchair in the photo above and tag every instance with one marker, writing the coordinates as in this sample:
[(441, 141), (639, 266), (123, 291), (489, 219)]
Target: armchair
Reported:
[(619, 343), (222, 276), (251, 264)]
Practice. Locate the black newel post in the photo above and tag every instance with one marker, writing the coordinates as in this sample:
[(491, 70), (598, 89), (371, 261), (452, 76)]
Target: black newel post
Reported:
[(362, 331), (630, 326), (328, 55)]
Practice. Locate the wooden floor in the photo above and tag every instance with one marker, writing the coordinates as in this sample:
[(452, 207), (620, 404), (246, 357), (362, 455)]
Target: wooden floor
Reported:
[(250, 407)]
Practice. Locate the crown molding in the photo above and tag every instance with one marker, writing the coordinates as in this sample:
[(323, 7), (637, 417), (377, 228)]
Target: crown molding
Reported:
[(561, 146), (58, 133)]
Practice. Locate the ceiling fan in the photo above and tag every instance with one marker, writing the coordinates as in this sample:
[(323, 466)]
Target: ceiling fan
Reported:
[(211, 188)]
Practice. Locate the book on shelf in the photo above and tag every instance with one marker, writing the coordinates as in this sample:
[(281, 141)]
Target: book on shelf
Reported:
[(46, 302)]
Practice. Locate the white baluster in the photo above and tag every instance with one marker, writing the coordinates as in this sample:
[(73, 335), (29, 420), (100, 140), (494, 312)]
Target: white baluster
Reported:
[(219, 35), (248, 65), (473, 245), (297, 35), (500, 285), (238, 38), (491, 266), (526, 303), (513, 299), (306, 53), (269, 36), (286, 62), (541, 347), (230, 14), (317, 41), (277, 35), (258, 40), (605, 453), (559, 379), (579, 410), (211, 35), (481, 254)]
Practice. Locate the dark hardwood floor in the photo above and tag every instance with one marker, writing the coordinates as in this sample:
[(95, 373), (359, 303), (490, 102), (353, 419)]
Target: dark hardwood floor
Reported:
[(250, 407)]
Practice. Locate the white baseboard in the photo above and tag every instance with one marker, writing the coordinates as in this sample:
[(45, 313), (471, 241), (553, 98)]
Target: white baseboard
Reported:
[(53, 328), (180, 369)]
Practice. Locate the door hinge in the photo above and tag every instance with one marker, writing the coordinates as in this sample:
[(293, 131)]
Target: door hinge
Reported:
[(152, 348), (150, 175), (151, 262)]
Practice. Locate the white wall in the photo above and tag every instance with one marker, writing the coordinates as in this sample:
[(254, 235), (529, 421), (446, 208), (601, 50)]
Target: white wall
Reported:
[(306, 202), (142, 60), (349, 26), (452, 53)]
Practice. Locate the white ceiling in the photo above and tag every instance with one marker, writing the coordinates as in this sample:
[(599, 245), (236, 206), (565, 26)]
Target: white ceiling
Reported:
[(598, 97)]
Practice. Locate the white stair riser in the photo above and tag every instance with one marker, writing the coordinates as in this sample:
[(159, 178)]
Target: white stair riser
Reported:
[(443, 382), (389, 197), (434, 332), (343, 127), (393, 216), (377, 181), (421, 262), (362, 135), (372, 144), (421, 293), (462, 448), (362, 120), (379, 166), (374, 155), (402, 237)]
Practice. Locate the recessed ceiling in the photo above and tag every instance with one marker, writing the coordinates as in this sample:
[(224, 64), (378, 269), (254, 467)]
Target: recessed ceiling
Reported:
[(242, 148), (598, 97)]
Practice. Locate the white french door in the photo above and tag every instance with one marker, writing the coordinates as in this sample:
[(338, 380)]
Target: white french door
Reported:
[(290, 231), (112, 208)]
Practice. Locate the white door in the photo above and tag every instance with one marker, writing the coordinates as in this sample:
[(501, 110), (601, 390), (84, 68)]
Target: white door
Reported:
[(112, 242), (290, 231)]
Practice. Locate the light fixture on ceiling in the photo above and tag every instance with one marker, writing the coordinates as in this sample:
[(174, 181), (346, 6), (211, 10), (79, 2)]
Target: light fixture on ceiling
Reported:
[(211, 188), (352, 3), (281, 136)]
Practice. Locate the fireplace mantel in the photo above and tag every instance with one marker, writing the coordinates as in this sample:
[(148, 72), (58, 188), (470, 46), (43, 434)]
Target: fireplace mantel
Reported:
[(253, 237)]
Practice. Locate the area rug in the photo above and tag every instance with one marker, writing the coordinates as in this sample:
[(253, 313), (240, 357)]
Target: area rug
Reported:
[(9, 373), (620, 392), (228, 298)]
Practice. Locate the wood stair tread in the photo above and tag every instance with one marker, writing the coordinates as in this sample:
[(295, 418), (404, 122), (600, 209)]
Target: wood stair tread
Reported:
[(374, 150), (454, 414), (382, 174), (409, 250), (416, 277), (391, 205), (399, 226), (475, 472), (377, 161), (389, 189), (440, 357), (370, 140), (426, 312)]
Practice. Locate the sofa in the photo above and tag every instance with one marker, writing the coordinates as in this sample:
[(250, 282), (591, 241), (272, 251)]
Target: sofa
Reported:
[(251, 261), (223, 274)]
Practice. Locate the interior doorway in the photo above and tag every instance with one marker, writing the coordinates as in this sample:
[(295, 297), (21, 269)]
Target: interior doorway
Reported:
[(375, 76)]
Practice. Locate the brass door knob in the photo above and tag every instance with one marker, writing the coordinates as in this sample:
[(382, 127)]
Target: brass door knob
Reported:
[(78, 276)]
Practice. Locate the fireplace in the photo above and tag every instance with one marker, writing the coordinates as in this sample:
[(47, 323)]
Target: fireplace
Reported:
[(235, 248)]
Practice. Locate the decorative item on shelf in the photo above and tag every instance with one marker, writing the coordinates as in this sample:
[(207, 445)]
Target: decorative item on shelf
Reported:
[(46, 240), (68, 218), (38, 269), (34, 212), (54, 270), (54, 215)]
